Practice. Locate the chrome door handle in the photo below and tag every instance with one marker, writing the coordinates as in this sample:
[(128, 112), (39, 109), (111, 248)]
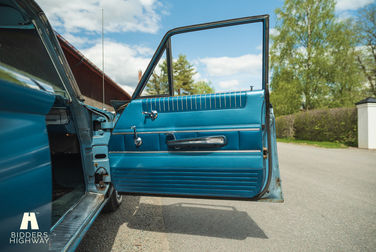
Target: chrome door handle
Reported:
[(137, 140), (153, 114), (196, 142)]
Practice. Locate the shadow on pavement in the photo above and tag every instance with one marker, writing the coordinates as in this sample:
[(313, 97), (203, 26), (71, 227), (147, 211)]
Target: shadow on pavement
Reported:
[(203, 220), (183, 218)]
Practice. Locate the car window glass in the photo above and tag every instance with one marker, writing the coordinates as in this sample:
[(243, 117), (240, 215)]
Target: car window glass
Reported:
[(23, 50), (218, 60), (157, 84)]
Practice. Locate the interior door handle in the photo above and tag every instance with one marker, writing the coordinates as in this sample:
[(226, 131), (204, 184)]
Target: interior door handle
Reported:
[(153, 114), (197, 142)]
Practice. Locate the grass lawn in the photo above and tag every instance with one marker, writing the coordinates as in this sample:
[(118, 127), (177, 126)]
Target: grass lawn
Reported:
[(313, 143)]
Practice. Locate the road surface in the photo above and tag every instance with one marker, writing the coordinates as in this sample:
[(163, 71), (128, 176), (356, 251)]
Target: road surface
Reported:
[(330, 205)]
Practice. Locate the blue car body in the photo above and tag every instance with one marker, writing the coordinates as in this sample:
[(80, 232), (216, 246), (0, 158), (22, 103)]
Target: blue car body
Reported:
[(220, 146)]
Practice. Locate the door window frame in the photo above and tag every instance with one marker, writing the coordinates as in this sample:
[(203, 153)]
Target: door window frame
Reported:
[(165, 46)]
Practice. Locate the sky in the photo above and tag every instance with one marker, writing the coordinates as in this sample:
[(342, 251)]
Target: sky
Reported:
[(230, 58)]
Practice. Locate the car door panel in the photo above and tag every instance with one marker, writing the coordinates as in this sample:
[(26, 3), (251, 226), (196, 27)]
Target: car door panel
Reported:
[(244, 164), (235, 170)]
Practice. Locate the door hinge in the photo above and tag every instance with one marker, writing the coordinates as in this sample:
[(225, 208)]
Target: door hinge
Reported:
[(265, 152)]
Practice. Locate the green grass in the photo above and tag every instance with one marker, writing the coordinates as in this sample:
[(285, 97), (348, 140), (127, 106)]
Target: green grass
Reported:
[(313, 143)]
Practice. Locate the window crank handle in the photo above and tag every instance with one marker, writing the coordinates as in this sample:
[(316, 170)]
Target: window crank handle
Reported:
[(137, 140)]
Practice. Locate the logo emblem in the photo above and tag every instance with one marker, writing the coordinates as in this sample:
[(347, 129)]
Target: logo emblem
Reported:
[(29, 217)]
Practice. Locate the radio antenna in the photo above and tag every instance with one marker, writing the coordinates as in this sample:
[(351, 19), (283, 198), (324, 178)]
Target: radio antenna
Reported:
[(104, 108)]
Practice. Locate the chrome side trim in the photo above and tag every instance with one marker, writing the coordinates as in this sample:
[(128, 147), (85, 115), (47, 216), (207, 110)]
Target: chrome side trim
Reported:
[(159, 152), (184, 131)]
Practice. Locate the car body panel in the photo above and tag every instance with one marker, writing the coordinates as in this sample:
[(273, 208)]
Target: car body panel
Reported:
[(25, 165)]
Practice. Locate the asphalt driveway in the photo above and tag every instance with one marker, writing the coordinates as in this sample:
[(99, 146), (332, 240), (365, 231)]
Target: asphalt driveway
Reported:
[(330, 205)]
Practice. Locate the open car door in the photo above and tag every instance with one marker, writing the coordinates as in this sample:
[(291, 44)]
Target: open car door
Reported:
[(208, 145)]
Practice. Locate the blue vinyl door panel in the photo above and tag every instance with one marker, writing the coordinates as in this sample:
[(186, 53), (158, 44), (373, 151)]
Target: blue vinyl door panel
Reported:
[(236, 170), (245, 113)]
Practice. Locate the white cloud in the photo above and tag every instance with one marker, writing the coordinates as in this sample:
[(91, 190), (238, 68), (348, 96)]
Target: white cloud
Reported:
[(344, 15), (128, 89), (73, 16), (77, 41), (224, 66), (122, 62), (228, 84), (273, 32), (350, 4), (197, 76)]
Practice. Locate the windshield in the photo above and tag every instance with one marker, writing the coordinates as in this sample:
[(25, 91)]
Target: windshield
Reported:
[(23, 50)]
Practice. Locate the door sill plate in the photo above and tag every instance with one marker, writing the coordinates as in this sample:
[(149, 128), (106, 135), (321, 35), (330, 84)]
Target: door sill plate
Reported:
[(75, 221)]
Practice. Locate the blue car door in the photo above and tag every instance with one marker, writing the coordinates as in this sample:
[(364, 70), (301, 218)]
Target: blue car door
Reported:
[(25, 162), (210, 145)]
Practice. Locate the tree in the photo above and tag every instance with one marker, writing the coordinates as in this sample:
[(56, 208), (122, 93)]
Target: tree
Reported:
[(286, 96), (183, 79), (366, 53), (311, 56), (183, 75), (202, 87), (158, 84), (344, 79)]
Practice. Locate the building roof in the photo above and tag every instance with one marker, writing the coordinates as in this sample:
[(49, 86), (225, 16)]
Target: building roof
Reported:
[(367, 100), (79, 59)]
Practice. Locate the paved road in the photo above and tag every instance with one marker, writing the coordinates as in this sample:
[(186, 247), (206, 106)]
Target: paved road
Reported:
[(330, 205)]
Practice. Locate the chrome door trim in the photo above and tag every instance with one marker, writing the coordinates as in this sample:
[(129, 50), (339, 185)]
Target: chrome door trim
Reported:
[(184, 131), (206, 151)]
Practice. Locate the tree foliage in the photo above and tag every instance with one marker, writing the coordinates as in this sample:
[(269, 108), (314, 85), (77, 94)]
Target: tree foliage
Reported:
[(312, 58), (183, 75), (365, 28), (202, 87), (158, 84), (183, 72)]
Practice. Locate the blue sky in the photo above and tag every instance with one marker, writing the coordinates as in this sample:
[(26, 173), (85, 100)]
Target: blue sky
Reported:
[(230, 58)]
